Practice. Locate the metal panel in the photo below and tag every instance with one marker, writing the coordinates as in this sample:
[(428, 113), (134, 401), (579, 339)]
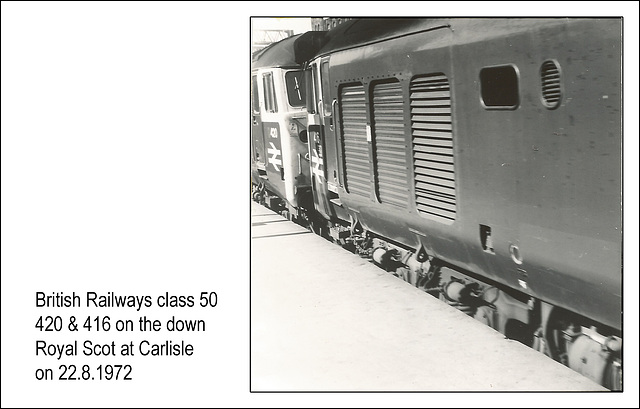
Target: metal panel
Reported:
[(357, 165), (431, 129), (390, 149)]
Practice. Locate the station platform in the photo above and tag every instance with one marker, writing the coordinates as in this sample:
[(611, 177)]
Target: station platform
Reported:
[(323, 319)]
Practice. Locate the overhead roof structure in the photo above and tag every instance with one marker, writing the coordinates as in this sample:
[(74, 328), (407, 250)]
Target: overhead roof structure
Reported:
[(264, 38), (280, 54), (357, 32)]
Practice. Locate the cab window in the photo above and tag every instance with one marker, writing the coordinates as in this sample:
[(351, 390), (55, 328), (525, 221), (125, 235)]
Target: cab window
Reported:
[(295, 88)]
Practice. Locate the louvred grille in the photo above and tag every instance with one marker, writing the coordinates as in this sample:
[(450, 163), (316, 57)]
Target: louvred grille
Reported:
[(390, 148), (550, 77), (431, 128), (354, 135)]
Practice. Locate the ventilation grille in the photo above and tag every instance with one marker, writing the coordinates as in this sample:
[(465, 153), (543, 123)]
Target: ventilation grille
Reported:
[(550, 76), (354, 135), (390, 148), (433, 146)]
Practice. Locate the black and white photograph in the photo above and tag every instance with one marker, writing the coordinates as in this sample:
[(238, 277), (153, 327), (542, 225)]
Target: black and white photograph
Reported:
[(436, 204), (319, 204)]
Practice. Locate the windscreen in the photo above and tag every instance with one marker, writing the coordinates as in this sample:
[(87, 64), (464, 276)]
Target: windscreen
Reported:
[(295, 88)]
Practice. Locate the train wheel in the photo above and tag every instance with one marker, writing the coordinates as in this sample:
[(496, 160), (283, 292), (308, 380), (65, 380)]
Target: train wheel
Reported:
[(565, 342), (315, 226), (540, 343), (555, 345), (318, 225), (613, 376), (258, 193)]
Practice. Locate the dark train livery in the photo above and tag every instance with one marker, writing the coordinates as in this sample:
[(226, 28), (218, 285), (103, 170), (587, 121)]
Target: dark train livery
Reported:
[(478, 159)]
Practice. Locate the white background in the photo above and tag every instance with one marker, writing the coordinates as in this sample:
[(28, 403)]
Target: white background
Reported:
[(125, 168)]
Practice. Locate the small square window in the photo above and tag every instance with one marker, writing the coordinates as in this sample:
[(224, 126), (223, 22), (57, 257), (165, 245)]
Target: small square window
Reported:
[(499, 87)]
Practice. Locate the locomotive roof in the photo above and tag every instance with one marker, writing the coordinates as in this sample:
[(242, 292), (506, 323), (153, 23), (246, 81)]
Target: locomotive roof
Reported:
[(278, 54), (358, 32), (364, 31)]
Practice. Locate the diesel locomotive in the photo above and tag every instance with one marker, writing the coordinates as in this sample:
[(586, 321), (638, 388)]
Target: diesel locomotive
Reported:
[(279, 163), (477, 159)]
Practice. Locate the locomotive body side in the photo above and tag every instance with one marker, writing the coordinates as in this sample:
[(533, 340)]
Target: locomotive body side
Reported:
[(501, 186), (480, 160), (556, 173)]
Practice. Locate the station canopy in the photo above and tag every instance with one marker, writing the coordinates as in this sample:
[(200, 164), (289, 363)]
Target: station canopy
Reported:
[(280, 54)]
